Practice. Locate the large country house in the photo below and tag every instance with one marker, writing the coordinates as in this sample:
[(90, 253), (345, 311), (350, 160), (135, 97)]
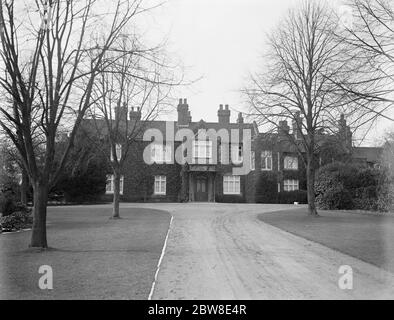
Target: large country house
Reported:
[(277, 173)]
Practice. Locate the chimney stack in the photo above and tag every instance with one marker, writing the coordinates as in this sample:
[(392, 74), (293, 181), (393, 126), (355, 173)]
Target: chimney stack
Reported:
[(283, 129), (135, 114), (224, 115), (121, 113), (184, 116), (240, 119), (345, 133), (297, 125)]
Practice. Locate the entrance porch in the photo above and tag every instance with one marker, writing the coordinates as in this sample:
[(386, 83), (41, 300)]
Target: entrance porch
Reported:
[(201, 183)]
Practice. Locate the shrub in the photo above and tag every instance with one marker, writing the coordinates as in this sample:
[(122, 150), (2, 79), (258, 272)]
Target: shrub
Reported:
[(229, 199), (86, 185), (7, 203), (386, 197), (334, 197), (348, 186), (299, 196), (16, 221), (267, 188)]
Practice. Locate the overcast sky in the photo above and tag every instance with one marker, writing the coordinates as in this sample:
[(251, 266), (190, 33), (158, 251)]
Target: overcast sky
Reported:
[(221, 41)]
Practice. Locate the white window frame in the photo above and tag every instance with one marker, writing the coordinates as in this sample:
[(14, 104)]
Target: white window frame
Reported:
[(237, 154), (231, 185), (267, 156), (167, 154), (110, 179), (290, 163), (161, 181), (252, 160), (223, 153), (118, 150), (202, 150), (161, 153), (291, 185)]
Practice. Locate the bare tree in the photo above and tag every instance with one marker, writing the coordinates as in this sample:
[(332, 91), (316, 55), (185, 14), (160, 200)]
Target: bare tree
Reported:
[(304, 55), (49, 70), (129, 95), (369, 37)]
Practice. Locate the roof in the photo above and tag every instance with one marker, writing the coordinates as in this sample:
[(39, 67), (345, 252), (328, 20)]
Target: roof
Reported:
[(369, 154), (95, 126)]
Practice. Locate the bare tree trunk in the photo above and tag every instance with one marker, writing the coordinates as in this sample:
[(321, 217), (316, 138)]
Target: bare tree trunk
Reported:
[(310, 177), (24, 187), (39, 232), (115, 214)]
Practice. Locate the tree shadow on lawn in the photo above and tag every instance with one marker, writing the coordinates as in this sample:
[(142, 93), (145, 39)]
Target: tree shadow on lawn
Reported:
[(104, 260), (367, 237)]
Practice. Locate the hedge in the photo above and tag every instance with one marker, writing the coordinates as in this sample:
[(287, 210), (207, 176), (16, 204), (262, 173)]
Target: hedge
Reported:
[(266, 188), (299, 196), (349, 186), (229, 199)]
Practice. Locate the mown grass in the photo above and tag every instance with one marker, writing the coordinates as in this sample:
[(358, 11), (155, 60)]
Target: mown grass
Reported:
[(92, 256), (367, 237)]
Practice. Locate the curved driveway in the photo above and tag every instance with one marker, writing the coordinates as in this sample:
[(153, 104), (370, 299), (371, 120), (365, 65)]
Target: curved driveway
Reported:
[(222, 251)]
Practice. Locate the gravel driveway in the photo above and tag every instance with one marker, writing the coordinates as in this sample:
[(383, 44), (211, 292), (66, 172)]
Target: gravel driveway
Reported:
[(218, 251)]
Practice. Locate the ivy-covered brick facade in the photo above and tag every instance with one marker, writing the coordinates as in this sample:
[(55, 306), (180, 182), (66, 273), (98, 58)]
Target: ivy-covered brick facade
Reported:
[(277, 169)]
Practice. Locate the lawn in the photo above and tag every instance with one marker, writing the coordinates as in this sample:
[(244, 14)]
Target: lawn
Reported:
[(92, 257), (367, 237)]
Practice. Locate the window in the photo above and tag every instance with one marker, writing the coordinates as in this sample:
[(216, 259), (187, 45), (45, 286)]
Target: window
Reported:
[(291, 185), (266, 160), (118, 148), (160, 185), (110, 187), (167, 154), (236, 154), (161, 153), (232, 185), (252, 160), (291, 163), (202, 150), (223, 153), (278, 187)]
